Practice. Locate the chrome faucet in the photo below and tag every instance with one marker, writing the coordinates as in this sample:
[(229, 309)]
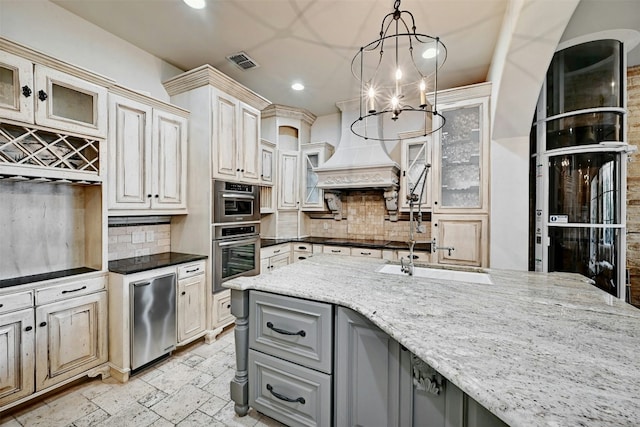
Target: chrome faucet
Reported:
[(435, 247), (415, 199)]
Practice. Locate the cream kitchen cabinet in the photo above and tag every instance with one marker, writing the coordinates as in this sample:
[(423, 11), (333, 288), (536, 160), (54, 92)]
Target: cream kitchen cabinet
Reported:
[(416, 175), (461, 178), (147, 159), (313, 155), (71, 337), (38, 94), (221, 311), (237, 133), (17, 345), (192, 297), (267, 177), (460, 240), (275, 256), (51, 335), (288, 180)]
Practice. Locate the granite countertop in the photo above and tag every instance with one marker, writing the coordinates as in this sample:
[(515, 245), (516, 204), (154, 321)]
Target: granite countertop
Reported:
[(536, 349), (23, 280), (150, 262), (356, 243)]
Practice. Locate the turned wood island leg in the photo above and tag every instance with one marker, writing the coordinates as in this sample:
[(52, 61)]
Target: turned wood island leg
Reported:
[(240, 383)]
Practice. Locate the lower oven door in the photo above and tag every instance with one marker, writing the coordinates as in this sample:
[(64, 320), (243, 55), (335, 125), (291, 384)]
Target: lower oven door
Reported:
[(235, 258)]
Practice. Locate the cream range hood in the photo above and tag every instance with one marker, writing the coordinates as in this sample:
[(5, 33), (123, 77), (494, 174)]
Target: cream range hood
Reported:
[(359, 163)]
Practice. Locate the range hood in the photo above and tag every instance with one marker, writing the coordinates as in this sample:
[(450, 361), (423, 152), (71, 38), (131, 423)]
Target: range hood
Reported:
[(359, 163)]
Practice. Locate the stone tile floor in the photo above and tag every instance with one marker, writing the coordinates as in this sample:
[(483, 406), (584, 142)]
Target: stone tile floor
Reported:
[(191, 388)]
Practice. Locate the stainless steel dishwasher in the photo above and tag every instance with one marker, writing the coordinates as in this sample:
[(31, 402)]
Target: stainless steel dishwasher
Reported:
[(153, 319)]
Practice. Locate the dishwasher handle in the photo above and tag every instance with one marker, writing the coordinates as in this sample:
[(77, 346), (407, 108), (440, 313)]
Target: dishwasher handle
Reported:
[(140, 284)]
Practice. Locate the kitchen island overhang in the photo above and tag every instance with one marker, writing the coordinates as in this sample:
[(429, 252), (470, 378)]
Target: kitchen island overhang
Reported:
[(535, 349)]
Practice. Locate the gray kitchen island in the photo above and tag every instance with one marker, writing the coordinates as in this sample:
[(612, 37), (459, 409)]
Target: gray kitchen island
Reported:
[(534, 349)]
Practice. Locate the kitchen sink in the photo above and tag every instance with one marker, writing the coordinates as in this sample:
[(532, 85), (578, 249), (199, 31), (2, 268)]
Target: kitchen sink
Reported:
[(441, 274)]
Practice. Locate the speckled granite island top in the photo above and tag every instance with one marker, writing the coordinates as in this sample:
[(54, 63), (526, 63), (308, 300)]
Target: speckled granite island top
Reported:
[(535, 349)]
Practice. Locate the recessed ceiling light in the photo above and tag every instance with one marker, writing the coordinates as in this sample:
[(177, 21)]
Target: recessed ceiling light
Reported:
[(429, 53), (196, 4), (297, 86)]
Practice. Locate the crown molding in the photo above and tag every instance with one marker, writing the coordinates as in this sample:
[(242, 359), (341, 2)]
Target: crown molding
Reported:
[(277, 110)]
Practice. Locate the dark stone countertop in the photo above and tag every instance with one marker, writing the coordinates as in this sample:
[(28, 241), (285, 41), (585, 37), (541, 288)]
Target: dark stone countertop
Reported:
[(356, 243), (16, 281), (150, 262)]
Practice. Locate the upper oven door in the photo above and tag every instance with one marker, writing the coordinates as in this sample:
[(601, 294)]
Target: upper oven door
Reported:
[(235, 202)]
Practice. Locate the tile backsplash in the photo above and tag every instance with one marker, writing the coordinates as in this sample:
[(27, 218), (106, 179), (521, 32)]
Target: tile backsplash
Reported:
[(138, 240), (365, 219)]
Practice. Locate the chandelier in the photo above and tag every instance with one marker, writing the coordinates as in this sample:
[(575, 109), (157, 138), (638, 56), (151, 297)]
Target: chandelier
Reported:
[(397, 69)]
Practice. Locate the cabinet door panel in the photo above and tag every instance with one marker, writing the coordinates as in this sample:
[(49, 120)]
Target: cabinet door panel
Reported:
[(191, 307), (70, 103), (467, 235), (16, 355), (71, 338), (129, 143), (169, 161), (15, 74), (367, 373), (225, 141), (249, 140), (288, 181)]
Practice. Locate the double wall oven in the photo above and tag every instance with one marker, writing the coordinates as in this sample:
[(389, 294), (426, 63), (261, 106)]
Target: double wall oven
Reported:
[(236, 231)]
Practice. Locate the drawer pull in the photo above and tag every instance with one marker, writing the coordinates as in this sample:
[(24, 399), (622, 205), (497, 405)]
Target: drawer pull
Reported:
[(365, 253), (302, 248), (275, 252), (75, 290), (336, 251), (302, 333), (193, 271), (283, 397), (416, 256)]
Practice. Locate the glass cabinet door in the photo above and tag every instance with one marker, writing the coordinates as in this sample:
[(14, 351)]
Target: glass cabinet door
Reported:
[(311, 192), (416, 175), (69, 103), (461, 159), (16, 88)]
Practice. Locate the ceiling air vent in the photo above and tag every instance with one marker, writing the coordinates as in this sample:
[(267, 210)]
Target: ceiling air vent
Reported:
[(243, 61)]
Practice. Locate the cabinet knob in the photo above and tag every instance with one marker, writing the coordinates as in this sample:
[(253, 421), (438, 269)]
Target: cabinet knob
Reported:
[(157, 196), (238, 170), (1, 305), (42, 95), (228, 305), (28, 328), (241, 170), (183, 293), (26, 91), (43, 324), (148, 196), (435, 203)]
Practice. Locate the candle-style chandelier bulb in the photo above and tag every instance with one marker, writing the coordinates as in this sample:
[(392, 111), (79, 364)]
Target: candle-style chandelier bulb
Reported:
[(400, 78)]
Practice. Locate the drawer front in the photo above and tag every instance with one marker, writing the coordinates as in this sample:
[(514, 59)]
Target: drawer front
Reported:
[(366, 253), (289, 393), (17, 301), (70, 290), (417, 256), (188, 270), (275, 250), (299, 256), (223, 307), (302, 247), (337, 250), (291, 328)]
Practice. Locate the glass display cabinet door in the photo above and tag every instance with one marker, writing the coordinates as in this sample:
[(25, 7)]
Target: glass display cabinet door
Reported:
[(68, 103), (415, 156), (16, 88), (461, 160), (312, 194)]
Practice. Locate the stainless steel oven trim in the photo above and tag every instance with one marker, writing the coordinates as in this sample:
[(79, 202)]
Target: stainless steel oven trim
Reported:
[(220, 194), (217, 245)]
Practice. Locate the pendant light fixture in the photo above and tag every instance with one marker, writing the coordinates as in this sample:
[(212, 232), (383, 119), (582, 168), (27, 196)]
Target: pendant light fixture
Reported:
[(397, 69)]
